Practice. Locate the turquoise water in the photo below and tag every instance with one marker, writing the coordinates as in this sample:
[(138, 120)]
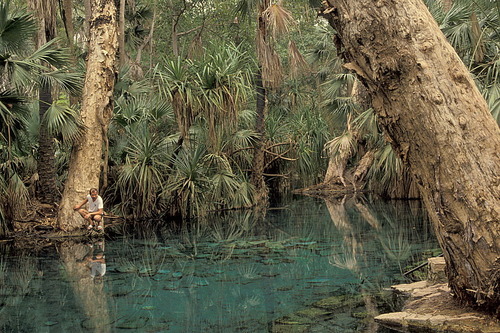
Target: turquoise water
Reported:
[(231, 273)]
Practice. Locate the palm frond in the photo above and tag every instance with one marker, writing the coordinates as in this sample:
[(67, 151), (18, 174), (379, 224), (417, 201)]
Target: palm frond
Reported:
[(246, 8), (141, 178), (126, 113), (50, 54), (386, 169), (343, 146), (270, 64), (367, 125), (298, 64), (70, 82), (64, 121), (13, 113), (246, 117), (13, 201), (190, 183), (16, 30), (278, 18), (456, 26)]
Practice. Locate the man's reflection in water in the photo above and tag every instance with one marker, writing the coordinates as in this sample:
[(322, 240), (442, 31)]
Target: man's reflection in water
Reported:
[(96, 261)]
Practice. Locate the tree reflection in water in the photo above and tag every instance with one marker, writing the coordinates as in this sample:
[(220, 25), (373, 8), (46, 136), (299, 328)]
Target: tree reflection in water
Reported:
[(392, 233), (231, 271), (78, 260)]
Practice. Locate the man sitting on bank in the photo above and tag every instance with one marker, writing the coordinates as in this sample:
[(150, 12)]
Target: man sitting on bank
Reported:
[(95, 211)]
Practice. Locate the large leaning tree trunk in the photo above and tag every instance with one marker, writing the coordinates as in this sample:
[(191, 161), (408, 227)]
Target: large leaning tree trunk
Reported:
[(439, 124), (97, 108)]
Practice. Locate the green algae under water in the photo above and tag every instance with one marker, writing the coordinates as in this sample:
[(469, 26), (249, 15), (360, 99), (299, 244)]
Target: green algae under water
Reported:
[(308, 266)]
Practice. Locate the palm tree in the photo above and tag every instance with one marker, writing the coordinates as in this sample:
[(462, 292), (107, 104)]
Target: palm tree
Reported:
[(207, 95), (223, 77), (24, 68), (272, 20), (45, 10), (174, 83), (141, 177)]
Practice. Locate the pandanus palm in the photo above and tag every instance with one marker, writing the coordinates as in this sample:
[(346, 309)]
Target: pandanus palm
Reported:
[(207, 95), (223, 78), (139, 147), (272, 20), (141, 177), (174, 84)]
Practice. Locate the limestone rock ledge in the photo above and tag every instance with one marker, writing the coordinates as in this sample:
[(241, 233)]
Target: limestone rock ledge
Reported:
[(431, 308)]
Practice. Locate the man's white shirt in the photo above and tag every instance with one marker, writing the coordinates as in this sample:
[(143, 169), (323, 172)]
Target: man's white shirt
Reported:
[(94, 206)]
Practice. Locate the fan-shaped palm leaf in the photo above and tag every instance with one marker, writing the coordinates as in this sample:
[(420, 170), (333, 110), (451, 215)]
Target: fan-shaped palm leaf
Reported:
[(456, 27), (343, 146), (13, 196), (367, 126), (386, 170), (13, 114), (64, 120), (16, 30), (70, 82), (24, 71), (126, 112)]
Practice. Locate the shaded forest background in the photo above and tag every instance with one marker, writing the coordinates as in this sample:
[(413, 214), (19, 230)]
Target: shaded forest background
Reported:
[(217, 104)]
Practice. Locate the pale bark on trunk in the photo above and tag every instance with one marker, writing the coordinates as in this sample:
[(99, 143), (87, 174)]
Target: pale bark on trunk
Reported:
[(439, 124), (363, 166), (337, 162), (336, 168), (92, 296), (97, 108)]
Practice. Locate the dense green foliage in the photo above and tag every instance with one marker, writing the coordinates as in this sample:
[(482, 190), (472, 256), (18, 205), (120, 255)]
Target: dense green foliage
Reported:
[(23, 69), (183, 131)]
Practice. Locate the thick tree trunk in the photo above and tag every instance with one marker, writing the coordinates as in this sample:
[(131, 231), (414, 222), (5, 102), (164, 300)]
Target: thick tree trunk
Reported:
[(97, 109), (439, 124)]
